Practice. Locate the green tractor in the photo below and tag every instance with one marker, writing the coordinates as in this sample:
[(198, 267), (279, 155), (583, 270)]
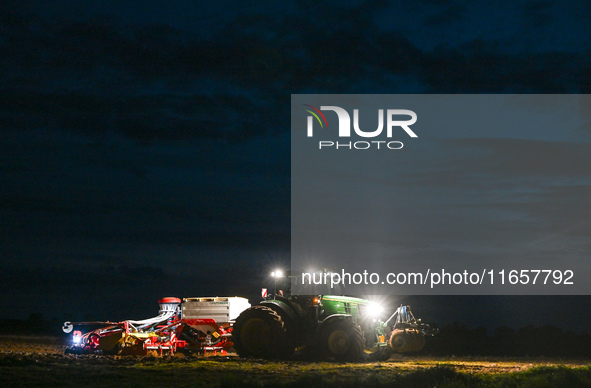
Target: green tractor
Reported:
[(339, 328)]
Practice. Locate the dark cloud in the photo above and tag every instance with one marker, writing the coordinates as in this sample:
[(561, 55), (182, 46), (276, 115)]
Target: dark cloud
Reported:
[(155, 82), (538, 13), (521, 158), (481, 67), (450, 14), (436, 2)]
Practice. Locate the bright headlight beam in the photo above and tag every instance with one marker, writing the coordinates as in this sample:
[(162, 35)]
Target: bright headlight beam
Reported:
[(374, 310)]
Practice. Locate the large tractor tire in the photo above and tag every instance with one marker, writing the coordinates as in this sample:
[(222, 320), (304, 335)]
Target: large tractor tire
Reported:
[(407, 340), (260, 332), (342, 340)]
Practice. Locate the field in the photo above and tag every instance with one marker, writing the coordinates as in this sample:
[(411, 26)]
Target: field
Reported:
[(40, 361)]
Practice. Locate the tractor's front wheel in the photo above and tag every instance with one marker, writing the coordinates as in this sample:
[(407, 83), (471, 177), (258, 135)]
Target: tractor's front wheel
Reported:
[(260, 332), (342, 340), (406, 340)]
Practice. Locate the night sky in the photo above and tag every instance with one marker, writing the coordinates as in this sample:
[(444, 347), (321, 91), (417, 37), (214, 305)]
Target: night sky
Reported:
[(145, 145)]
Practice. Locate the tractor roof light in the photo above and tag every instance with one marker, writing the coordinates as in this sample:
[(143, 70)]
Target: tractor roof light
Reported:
[(277, 273)]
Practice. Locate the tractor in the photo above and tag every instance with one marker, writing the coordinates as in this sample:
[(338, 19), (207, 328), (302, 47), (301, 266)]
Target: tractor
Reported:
[(339, 328)]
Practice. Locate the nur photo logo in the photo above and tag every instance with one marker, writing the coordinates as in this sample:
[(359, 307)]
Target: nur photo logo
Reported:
[(392, 117)]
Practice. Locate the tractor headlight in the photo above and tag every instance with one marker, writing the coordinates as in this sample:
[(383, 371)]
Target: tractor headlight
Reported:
[(374, 310)]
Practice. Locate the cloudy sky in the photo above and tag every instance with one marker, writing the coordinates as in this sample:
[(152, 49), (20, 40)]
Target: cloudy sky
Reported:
[(145, 146)]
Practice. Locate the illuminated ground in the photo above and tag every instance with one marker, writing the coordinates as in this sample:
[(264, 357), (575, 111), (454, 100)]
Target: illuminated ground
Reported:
[(40, 361)]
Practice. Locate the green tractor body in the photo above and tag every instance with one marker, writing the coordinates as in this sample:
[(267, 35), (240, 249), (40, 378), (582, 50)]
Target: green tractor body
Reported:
[(337, 327)]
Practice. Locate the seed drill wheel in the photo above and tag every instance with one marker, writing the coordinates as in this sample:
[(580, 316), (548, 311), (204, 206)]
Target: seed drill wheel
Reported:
[(260, 332), (381, 353), (342, 340), (407, 340), (94, 340)]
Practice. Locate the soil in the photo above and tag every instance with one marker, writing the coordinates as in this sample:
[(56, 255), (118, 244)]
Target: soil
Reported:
[(41, 361)]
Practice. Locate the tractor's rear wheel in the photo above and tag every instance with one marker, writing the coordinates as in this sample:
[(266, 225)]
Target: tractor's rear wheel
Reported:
[(260, 332), (342, 340)]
